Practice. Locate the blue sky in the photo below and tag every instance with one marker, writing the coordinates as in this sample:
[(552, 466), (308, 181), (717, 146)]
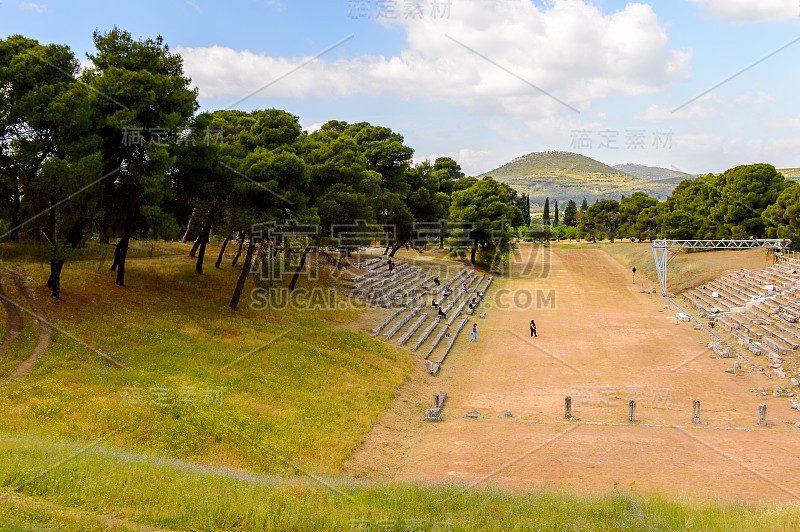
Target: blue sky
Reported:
[(484, 81)]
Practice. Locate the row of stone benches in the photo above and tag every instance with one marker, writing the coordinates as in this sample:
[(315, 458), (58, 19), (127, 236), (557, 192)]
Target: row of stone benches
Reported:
[(410, 304), (774, 339), (381, 277), (390, 284), (433, 366), (369, 277)]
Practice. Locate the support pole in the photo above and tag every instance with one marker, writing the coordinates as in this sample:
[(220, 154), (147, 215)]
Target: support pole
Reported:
[(660, 256)]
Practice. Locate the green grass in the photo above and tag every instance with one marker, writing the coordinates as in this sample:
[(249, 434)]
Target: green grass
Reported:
[(313, 394), (93, 250), (109, 481)]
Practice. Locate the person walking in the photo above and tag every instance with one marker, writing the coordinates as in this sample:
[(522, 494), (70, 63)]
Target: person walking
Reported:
[(634, 274), (474, 337), (533, 329)]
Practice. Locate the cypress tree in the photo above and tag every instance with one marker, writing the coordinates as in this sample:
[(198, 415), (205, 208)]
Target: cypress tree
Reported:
[(546, 214)]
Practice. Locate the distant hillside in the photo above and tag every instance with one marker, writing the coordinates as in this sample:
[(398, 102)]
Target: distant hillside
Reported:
[(565, 175), (651, 173), (792, 173)]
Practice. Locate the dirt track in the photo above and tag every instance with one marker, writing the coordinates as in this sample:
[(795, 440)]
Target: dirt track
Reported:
[(14, 325), (602, 342)]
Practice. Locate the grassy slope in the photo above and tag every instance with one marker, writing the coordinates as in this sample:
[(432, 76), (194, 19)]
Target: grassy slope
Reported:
[(104, 482), (312, 395), (651, 172)]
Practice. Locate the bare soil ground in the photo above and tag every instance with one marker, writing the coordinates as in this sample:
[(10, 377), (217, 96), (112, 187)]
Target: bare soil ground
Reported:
[(14, 325), (602, 342)]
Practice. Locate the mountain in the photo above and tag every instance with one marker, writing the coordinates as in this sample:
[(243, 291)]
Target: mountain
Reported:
[(563, 175), (791, 173), (652, 173)]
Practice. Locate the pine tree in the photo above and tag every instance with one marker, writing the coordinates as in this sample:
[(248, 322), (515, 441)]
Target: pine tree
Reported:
[(546, 214), (570, 218), (584, 206), (555, 216), (528, 209)]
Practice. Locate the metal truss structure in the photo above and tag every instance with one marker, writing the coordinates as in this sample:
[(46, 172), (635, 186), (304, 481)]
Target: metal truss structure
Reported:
[(661, 247)]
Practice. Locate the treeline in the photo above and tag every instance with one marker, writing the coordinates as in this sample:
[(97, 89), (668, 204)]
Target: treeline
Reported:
[(118, 152), (750, 201)]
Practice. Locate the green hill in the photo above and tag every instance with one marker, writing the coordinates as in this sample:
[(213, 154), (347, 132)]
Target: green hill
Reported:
[(791, 173), (564, 175), (652, 173)]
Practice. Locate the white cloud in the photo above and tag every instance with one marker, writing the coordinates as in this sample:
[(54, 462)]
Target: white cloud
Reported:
[(750, 99), (708, 106), (785, 122), (314, 127), (32, 6), (504, 130), (705, 107), (570, 49), (751, 11)]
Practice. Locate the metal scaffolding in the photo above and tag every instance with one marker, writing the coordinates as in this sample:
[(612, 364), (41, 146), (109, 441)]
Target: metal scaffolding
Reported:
[(661, 247)]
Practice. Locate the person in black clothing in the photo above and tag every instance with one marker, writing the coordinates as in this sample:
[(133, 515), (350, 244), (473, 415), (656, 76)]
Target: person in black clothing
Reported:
[(533, 329), (436, 281), (634, 274), (441, 314)]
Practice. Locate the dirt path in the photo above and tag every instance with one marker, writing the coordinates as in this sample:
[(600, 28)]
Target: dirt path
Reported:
[(13, 321), (44, 330), (601, 341)]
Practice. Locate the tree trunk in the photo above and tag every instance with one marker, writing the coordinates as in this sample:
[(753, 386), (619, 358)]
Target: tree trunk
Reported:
[(116, 258), (238, 251), (203, 239), (119, 258), (397, 245), (472, 254), (73, 239), (54, 281), (299, 269), (221, 253), (188, 226), (248, 259), (193, 252)]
